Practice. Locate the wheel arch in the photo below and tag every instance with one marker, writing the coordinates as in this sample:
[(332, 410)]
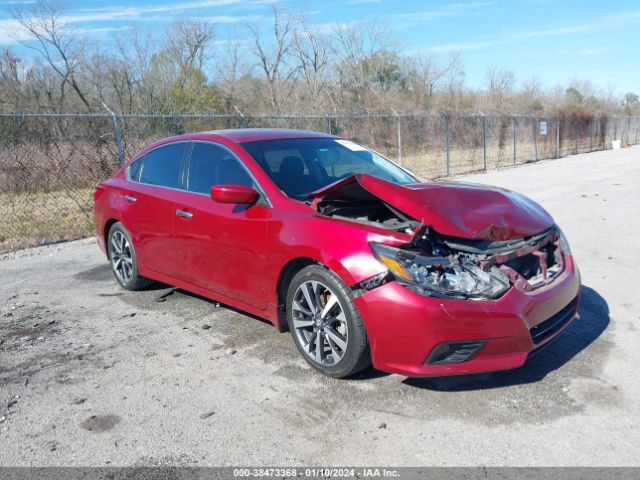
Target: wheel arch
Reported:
[(287, 273), (105, 233)]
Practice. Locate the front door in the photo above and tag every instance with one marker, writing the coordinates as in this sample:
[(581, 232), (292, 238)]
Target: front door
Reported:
[(221, 247)]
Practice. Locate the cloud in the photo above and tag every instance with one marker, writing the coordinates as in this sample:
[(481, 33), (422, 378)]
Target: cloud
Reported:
[(11, 32), (232, 18), (607, 22), (126, 13), (552, 32), (587, 52), (331, 27), (460, 9), (452, 47), (137, 13)]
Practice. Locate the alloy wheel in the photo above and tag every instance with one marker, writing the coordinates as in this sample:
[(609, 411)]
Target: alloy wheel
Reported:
[(320, 323), (121, 257)]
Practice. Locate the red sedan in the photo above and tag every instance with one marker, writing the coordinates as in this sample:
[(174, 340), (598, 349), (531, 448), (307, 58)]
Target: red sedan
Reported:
[(362, 261)]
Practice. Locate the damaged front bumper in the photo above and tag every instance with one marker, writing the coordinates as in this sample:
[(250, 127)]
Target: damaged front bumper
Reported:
[(405, 328)]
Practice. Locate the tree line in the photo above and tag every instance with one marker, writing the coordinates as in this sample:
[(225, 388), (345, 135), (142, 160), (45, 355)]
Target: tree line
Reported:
[(284, 65)]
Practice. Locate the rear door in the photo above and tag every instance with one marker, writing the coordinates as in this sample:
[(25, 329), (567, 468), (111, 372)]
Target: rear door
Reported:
[(148, 212), (221, 247)]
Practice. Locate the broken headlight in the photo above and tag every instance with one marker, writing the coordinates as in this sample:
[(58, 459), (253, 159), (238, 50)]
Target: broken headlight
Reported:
[(564, 244), (454, 277)]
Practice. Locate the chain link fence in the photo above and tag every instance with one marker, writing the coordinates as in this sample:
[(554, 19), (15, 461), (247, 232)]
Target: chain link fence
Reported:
[(51, 163)]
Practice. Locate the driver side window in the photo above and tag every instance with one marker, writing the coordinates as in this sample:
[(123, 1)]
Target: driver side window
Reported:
[(214, 165)]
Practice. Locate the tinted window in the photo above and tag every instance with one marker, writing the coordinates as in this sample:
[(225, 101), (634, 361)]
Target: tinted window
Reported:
[(162, 166), (214, 165), (275, 158), (301, 165), (134, 170)]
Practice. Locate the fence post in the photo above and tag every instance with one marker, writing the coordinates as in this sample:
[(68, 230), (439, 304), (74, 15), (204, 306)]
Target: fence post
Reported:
[(535, 139), (399, 136), (446, 142), (118, 139), (243, 119), (484, 142), (577, 136), (558, 137), (628, 129), (513, 121), (637, 128), (328, 121), (591, 132), (615, 129)]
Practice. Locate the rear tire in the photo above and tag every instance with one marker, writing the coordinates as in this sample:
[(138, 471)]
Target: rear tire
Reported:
[(124, 262), (325, 325)]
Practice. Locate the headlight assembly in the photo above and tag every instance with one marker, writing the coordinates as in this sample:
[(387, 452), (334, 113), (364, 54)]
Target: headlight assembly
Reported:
[(564, 244), (454, 277)]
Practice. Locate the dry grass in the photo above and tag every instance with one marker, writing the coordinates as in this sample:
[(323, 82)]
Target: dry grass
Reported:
[(433, 163), (31, 219)]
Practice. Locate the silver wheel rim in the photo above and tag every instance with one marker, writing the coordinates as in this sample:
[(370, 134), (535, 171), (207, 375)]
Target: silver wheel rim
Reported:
[(320, 323), (121, 257)]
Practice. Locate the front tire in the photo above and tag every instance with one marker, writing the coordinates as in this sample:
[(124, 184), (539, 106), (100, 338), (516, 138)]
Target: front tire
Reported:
[(122, 257), (324, 323)]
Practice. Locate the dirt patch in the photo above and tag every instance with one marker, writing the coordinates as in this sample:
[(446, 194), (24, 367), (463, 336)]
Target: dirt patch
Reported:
[(100, 423)]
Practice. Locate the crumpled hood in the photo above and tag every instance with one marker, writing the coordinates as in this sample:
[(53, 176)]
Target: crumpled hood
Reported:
[(456, 209)]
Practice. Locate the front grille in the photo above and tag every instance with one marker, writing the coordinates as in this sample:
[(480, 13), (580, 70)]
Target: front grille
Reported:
[(553, 325)]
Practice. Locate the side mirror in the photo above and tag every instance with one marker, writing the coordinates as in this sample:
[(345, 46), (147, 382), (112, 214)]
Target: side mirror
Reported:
[(232, 193)]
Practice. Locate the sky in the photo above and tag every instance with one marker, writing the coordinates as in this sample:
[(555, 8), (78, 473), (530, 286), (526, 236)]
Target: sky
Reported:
[(555, 41)]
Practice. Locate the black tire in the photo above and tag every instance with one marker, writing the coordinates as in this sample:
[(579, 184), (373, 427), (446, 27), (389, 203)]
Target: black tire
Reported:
[(356, 356), (135, 281)]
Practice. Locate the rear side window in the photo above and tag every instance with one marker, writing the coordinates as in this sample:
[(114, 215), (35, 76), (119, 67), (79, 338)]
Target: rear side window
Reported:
[(134, 170), (162, 166), (214, 165)]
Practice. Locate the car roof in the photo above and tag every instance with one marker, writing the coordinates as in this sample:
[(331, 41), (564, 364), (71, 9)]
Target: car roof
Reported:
[(242, 135)]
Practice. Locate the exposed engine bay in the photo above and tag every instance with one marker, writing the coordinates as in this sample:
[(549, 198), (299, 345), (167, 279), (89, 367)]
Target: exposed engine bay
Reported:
[(370, 211)]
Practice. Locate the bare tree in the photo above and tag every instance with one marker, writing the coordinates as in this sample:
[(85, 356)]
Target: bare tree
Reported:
[(500, 80), (232, 68), (358, 47), (427, 72), (289, 65), (499, 85), (272, 51), (62, 50), (134, 49), (312, 51), (10, 81), (188, 41)]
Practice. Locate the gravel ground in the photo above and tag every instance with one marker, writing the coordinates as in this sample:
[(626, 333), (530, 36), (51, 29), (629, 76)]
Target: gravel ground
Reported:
[(93, 375)]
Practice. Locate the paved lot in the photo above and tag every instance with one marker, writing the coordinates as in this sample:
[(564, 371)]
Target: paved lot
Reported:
[(94, 375)]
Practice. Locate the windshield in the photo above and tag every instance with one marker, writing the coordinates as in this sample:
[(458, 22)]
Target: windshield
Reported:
[(300, 166)]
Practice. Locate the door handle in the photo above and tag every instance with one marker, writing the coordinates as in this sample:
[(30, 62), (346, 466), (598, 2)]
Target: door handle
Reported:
[(183, 213), (130, 198)]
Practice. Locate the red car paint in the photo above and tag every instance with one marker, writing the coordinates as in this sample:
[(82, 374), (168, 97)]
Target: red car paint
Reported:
[(460, 209), (239, 194), (238, 254)]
